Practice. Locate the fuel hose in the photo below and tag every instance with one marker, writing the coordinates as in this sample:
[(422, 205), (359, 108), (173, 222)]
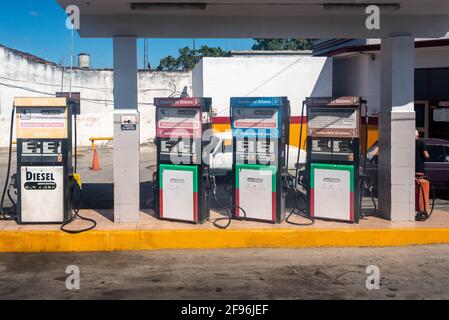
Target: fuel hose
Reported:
[(3, 214)]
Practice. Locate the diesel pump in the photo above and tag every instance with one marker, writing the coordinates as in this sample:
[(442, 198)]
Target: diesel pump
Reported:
[(44, 160), (182, 179), (45, 181), (260, 131)]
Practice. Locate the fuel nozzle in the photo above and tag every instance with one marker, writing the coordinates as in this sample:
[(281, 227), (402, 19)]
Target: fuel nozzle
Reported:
[(14, 181), (77, 179), (213, 184), (303, 178), (154, 177)]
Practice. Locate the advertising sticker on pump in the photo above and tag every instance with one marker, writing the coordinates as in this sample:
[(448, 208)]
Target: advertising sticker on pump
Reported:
[(332, 192), (42, 194), (42, 118), (41, 122), (178, 123), (256, 191), (336, 122), (256, 122), (178, 192)]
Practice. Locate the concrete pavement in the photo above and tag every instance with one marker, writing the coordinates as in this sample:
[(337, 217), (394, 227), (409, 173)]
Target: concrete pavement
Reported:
[(151, 233), (420, 272)]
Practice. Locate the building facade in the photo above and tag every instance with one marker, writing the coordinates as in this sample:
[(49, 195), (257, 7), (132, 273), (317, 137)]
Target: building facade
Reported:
[(296, 75), (357, 72), (25, 75)]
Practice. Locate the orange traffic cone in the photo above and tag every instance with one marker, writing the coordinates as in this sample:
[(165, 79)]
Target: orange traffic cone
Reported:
[(95, 162)]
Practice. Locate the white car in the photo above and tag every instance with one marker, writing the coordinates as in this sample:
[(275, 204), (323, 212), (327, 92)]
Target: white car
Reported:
[(221, 155)]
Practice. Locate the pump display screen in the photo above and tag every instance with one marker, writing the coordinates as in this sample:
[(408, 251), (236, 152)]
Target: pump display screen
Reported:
[(191, 113), (178, 122), (333, 122)]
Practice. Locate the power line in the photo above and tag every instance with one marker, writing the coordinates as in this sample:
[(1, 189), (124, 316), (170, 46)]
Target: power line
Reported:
[(274, 76), (105, 90), (96, 101)]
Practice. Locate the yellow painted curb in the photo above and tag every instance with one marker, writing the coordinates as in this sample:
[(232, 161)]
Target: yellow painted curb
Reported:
[(56, 241)]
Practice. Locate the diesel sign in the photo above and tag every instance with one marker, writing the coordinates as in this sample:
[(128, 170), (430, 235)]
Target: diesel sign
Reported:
[(39, 176), (38, 179)]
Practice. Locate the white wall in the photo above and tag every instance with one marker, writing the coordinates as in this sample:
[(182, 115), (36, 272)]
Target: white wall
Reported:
[(296, 77), (358, 75), (20, 76)]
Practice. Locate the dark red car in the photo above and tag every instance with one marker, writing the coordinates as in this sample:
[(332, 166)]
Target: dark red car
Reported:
[(437, 167)]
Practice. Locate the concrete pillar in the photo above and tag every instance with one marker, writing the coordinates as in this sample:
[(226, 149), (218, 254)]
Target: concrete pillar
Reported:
[(397, 130), (126, 131)]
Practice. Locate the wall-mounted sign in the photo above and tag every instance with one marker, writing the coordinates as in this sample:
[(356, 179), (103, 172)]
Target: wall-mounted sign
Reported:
[(128, 122), (441, 115), (443, 104)]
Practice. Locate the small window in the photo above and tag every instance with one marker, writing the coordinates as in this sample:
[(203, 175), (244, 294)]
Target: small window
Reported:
[(436, 154)]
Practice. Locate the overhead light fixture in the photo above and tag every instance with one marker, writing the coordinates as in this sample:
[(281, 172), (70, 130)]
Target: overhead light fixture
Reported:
[(360, 6), (167, 6)]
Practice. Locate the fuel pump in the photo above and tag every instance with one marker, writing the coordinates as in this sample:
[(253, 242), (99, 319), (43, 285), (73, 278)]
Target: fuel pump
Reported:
[(44, 160), (45, 181), (260, 133), (333, 158), (182, 175)]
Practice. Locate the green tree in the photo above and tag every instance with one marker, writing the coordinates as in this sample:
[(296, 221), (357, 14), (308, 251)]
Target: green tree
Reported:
[(168, 63), (282, 44), (187, 58), (206, 51)]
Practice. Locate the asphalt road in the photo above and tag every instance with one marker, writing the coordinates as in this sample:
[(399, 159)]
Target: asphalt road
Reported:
[(405, 273)]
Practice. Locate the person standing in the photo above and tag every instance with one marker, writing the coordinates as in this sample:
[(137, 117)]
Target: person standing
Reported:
[(421, 154)]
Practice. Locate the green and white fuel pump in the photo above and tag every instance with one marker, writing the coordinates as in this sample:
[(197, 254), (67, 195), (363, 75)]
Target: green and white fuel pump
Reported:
[(333, 158)]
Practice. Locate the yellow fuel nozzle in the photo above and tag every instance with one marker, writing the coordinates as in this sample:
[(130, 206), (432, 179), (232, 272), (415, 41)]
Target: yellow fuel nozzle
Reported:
[(77, 178)]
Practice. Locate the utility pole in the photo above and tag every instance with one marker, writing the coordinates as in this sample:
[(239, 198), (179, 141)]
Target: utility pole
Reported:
[(145, 53), (71, 58)]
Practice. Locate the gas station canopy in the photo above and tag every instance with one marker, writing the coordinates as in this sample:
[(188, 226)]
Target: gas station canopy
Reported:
[(401, 21), (260, 18)]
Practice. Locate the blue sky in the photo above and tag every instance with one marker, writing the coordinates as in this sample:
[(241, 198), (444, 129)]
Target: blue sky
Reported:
[(38, 27)]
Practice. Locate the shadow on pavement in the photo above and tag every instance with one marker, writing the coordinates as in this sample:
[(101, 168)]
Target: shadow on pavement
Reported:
[(101, 196)]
